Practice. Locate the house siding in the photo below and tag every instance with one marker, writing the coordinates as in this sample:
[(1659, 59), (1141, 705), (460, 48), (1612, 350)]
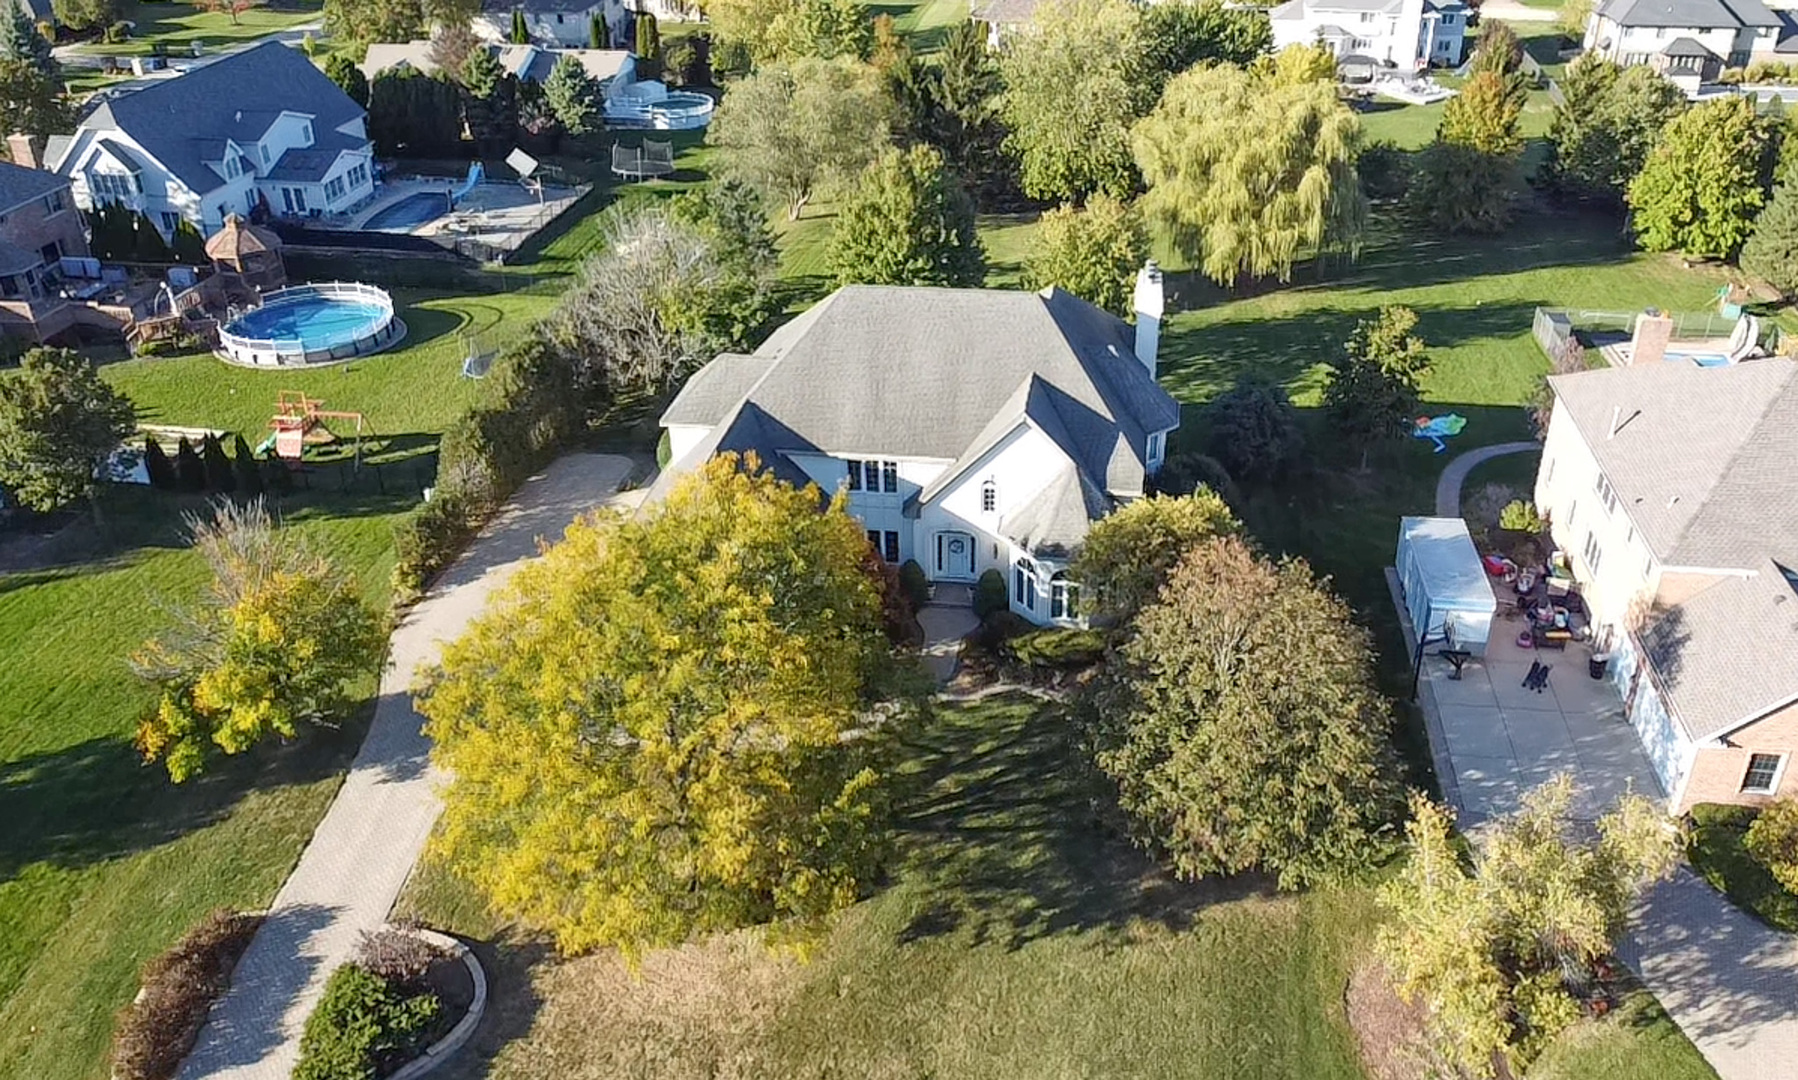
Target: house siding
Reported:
[(1717, 771), (1406, 39), (1567, 494), (1669, 751), (1640, 44), (32, 226)]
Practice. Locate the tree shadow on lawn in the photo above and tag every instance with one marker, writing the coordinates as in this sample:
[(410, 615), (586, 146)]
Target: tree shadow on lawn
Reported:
[(1204, 360), (99, 800), (1001, 823)]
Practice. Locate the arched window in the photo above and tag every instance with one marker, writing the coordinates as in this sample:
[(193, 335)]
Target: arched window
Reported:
[(989, 497), (1064, 597)]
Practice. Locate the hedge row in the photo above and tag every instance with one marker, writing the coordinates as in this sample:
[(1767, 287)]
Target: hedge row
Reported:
[(157, 1030), (531, 405)]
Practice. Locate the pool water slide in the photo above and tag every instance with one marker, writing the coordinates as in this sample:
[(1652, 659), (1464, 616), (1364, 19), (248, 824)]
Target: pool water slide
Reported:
[(476, 175)]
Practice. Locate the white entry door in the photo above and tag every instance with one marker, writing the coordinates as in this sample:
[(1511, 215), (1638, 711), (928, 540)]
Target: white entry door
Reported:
[(955, 556)]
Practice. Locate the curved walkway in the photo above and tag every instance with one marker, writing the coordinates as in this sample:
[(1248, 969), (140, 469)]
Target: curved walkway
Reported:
[(1454, 474), (358, 859), (1728, 980)]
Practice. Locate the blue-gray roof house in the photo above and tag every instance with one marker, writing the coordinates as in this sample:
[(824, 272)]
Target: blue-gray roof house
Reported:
[(262, 125)]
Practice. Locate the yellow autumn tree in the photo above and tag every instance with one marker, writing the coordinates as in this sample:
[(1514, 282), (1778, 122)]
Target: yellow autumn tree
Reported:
[(653, 731)]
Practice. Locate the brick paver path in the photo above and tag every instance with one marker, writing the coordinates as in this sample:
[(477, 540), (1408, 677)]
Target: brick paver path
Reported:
[(1727, 979), (357, 861)]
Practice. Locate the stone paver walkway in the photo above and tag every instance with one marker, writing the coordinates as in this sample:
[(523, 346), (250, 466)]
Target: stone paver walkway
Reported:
[(947, 619), (1728, 980), (358, 860)]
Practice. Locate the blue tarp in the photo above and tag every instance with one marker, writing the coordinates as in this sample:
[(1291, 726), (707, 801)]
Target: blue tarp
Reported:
[(1443, 581)]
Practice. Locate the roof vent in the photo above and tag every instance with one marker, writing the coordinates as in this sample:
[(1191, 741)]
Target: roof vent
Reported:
[(239, 116), (1671, 500)]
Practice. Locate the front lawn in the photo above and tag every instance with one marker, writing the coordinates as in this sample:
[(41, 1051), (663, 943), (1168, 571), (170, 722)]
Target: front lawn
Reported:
[(1716, 850), (175, 25)]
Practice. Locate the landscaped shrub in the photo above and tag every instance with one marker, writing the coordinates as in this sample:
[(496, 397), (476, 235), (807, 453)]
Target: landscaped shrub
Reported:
[(1520, 515), (1253, 431), (1773, 841), (118, 32), (399, 956), (914, 584), (1184, 474), (363, 1027), (156, 1031), (1057, 647), (1385, 171), (430, 537), (990, 594)]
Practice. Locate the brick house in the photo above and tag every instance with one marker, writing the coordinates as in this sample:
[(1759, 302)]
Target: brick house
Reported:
[(1672, 489), (39, 226)]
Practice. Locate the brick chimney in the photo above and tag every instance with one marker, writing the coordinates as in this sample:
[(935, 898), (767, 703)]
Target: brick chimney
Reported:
[(1654, 330), (1150, 302), (23, 149)]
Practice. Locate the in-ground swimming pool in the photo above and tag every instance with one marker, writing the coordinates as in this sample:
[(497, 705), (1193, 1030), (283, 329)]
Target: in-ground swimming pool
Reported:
[(410, 212), (312, 324)]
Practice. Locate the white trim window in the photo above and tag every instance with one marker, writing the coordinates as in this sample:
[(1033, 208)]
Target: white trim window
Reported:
[(873, 476), (1592, 552), (885, 544), (989, 497), (1763, 773), (1064, 597), (1023, 580)]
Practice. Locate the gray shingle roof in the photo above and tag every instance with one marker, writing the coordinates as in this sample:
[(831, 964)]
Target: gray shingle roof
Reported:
[(19, 185), (1702, 460), (1688, 14), (1055, 523), (1728, 655), (714, 390), (921, 372), (1685, 46), (538, 6), (235, 96)]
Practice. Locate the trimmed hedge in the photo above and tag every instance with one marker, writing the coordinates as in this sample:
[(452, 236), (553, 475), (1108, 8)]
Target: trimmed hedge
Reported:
[(914, 584), (991, 594), (157, 1030), (363, 1027), (1058, 647), (532, 404)]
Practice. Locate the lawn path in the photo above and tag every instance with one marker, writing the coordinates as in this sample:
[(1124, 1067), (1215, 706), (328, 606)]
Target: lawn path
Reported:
[(356, 863), (1728, 980)]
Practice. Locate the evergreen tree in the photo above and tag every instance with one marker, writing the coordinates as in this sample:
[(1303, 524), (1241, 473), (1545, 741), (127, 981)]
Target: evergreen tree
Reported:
[(1609, 120), (20, 40), (340, 69), (490, 101), (157, 465), (243, 466), (277, 476), (907, 222), (148, 244), (1373, 391), (32, 102), (190, 471), (649, 44), (573, 97), (521, 30), (1771, 254), (189, 246), (599, 33), (219, 476)]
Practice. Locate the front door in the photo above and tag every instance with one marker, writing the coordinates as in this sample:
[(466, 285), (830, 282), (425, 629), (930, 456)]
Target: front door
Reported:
[(955, 556)]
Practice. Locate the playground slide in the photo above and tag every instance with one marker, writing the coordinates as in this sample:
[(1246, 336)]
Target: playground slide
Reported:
[(475, 175)]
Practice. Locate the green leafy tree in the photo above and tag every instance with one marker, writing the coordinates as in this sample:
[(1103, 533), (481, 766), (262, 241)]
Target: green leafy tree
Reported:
[(1489, 949), (20, 40), (451, 46), (1074, 83), (363, 21), (1296, 65), (414, 114), (1253, 431), (59, 422), (1771, 253), (1093, 253), (1484, 115), (599, 32), (823, 28), (1373, 390), (1610, 119), (271, 646), (681, 696), (573, 97), (340, 69), (1498, 52), (1179, 34), (1211, 698), (1700, 188), (1245, 174), (1773, 841), (1129, 553), (789, 130), (906, 222), (32, 102), (490, 101), (80, 15), (1457, 188)]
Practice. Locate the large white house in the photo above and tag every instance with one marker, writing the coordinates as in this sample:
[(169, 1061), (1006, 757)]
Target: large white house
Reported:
[(260, 125), (1405, 34), (973, 429), (1689, 41), (569, 23), (1674, 490)]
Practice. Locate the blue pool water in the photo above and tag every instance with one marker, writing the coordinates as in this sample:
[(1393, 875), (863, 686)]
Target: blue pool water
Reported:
[(316, 321), (411, 211), (1702, 359)]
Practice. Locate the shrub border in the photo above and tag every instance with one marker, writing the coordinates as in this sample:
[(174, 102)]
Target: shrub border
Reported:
[(441, 1050)]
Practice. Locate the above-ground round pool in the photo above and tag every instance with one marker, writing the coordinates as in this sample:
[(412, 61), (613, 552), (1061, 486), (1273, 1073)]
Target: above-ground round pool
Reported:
[(312, 324), (650, 104)]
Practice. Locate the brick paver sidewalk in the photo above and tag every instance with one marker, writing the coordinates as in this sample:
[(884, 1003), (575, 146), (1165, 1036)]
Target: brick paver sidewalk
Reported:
[(357, 861)]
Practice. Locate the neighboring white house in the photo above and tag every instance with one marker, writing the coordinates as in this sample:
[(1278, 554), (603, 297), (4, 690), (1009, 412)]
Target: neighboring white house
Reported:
[(1689, 41), (260, 125), (1674, 490), (570, 22), (973, 429), (613, 69), (1405, 34)]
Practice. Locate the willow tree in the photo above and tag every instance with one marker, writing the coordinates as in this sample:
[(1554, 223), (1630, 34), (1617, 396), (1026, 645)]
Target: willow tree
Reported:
[(652, 732), (1246, 173)]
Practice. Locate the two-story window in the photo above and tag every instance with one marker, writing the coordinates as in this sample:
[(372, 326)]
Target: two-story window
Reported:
[(874, 476), (1606, 495), (1023, 583), (1593, 552), (106, 185)]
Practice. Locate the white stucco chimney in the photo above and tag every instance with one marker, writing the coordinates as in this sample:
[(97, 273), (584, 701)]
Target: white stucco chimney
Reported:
[(1150, 302)]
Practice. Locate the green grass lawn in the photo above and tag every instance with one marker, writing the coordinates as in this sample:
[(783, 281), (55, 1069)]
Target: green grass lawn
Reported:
[(1717, 852), (103, 862), (176, 24)]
